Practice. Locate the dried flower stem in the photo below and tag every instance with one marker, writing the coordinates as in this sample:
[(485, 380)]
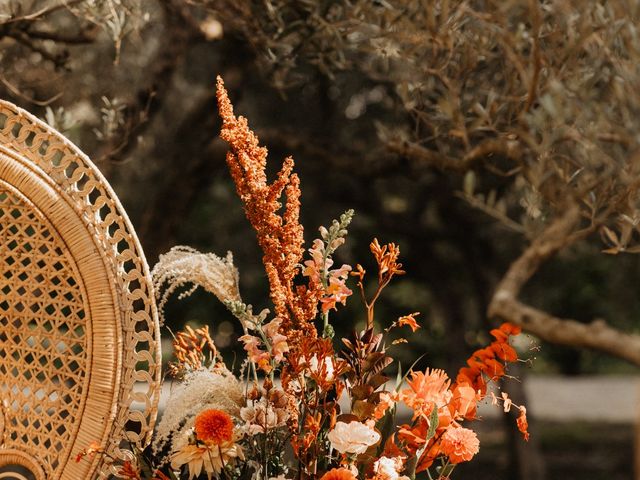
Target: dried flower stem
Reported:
[(279, 235)]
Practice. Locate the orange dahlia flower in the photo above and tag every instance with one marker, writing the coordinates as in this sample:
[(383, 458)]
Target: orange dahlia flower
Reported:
[(459, 444), (338, 474), (214, 426)]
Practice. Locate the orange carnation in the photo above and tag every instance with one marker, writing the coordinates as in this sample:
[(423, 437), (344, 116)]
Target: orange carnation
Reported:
[(427, 391), (459, 444), (338, 474), (214, 426)]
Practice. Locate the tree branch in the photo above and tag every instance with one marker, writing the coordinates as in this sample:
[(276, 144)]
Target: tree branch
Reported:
[(179, 34), (506, 306), (492, 146), (37, 15), (597, 335), (80, 38)]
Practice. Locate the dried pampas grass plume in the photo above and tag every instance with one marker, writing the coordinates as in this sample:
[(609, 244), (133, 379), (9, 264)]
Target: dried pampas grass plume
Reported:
[(184, 265)]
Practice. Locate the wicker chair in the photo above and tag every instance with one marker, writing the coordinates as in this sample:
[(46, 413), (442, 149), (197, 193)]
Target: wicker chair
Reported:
[(78, 325)]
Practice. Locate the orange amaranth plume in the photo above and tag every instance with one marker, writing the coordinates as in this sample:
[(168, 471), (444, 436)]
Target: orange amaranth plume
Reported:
[(280, 236)]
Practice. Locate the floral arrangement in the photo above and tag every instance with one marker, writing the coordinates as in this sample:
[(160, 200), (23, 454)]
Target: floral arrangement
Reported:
[(303, 406)]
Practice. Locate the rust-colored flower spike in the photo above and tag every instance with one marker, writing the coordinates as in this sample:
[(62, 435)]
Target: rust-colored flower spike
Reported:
[(280, 236)]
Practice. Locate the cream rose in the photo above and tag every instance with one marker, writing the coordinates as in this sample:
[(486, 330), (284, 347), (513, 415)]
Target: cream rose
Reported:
[(354, 437), (387, 469)]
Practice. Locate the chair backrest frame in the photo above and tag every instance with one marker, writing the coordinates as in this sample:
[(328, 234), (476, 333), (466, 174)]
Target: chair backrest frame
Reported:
[(79, 333)]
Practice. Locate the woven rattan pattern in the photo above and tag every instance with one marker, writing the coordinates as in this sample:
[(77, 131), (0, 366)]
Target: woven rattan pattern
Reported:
[(77, 181), (42, 333)]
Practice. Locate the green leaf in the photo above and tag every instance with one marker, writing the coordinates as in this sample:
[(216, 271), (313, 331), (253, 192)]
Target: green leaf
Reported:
[(404, 377), (399, 377), (385, 426), (433, 424), (410, 467), (446, 470)]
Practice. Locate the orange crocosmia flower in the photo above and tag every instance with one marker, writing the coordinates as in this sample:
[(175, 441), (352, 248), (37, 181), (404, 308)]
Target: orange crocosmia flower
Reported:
[(494, 369), (522, 423), (466, 375), (510, 329), (499, 335), (505, 352), (338, 474), (214, 426), (459, 444), (476, 364), (410, 321)]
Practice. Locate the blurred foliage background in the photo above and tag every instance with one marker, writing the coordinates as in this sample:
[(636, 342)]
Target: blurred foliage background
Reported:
[(342, 86)]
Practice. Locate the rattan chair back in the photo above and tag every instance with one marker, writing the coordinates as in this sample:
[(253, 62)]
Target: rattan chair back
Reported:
[(79, 335)]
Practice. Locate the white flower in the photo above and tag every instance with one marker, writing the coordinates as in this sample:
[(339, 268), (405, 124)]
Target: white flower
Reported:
[(388, 469), (354, 437)]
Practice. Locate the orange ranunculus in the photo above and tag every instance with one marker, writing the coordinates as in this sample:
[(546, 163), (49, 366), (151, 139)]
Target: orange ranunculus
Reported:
[(459, 444), (213, 426), (522, 423), (338, 474), (466, 375), (474, 378)]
